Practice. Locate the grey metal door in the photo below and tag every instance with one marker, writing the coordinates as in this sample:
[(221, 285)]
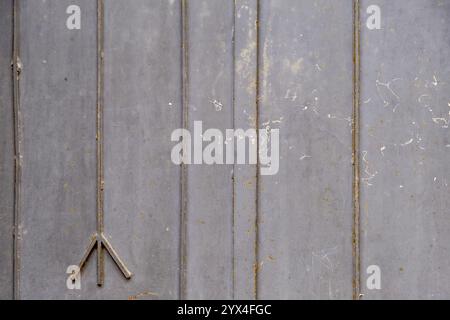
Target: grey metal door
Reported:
[(359, 91)]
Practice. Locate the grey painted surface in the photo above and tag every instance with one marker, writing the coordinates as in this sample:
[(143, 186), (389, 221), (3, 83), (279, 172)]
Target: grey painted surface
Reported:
[(209, 268), (302, 234), (245, 115), (58, 99), (305, 221), (6, 153), (405, 144), (142, 108)]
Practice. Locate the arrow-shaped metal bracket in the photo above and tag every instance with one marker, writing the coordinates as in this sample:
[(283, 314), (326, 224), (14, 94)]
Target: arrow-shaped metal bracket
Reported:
[(98, 239)]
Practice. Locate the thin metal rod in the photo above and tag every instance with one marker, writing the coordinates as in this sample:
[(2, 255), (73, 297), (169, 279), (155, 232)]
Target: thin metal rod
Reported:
[(100, 82), (16, 68), (185, 121), (100, 178), (258, 167), (233, 178), (98, 239), (355, 149)]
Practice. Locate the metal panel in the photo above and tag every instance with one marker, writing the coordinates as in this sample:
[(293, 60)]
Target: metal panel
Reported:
[(209, 216), (58, 99), (405, 149), (245, 176), (6, 152), (223, 231), (305, 213), (142, 108)]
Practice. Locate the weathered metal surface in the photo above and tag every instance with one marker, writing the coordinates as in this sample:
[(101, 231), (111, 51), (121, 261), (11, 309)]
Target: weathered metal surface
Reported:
[(142, 107), (405, 149), (245, 176), (209, 215), (305, 211), (6, 152), (57, 101), (222, 231)]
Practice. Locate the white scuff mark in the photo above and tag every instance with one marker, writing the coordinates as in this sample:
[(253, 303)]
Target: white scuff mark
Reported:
[(278, 121), (369, 175), (324, 257), (382, 149), (435, 81), (170, 104), (435, 178), (387, 85), (401, 186), (424, 103), (441, 121), (303, 157), (242, 7), (367, 101), (348, 119), (407, 142), (217, 104), (292, 96), (318, 67), (251, 119)]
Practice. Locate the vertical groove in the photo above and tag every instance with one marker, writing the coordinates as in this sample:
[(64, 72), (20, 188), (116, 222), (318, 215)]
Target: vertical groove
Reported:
[(17, 148), (355, 149), (185, 119), (233, 180), (257, 88)]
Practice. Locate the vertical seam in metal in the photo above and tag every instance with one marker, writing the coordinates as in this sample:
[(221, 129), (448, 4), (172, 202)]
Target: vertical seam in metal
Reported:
[(17, 149), (183, 181), (257, 89), (355, 150), (233, 178)]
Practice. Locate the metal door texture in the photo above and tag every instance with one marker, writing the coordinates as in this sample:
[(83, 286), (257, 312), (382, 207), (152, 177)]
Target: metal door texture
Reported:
[(91, 92)]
